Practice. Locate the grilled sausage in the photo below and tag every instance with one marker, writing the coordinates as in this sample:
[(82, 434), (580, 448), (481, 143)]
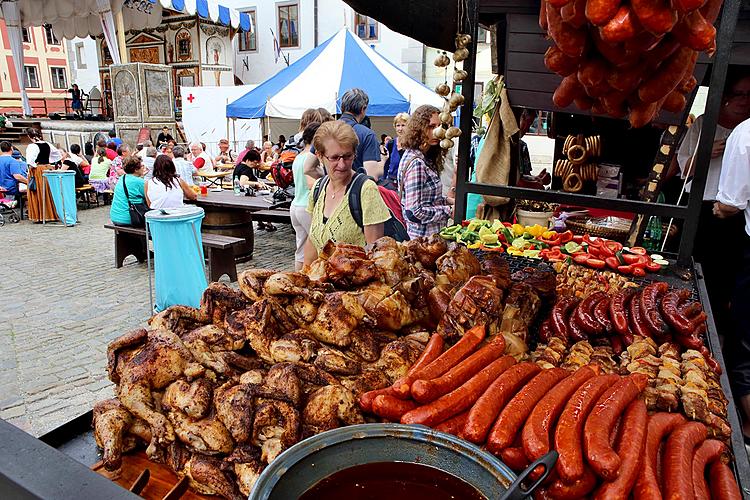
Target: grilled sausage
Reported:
[(678, 459)]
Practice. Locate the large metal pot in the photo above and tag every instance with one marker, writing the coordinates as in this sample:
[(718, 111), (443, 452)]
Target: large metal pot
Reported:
[(309, 461)]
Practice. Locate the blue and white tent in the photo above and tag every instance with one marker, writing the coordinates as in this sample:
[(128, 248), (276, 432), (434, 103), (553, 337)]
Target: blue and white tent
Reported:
[(211, 10), (320, 78)]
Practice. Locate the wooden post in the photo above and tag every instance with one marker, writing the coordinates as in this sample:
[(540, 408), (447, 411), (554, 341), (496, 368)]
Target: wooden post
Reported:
[(120, 28)]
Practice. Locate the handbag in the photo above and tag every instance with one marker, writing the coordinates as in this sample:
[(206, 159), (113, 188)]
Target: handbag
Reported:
[(137, 210), (32, 181)]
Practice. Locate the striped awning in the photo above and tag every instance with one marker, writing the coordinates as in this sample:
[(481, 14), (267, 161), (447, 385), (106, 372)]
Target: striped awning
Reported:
[(211, 10)]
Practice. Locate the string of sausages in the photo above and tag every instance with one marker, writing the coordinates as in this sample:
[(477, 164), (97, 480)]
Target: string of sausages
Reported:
[(608, 445), (627, 58)]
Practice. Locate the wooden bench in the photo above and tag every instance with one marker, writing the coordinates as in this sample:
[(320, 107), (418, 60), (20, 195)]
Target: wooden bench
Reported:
[(219, 250), (280, 215), (87, 194)]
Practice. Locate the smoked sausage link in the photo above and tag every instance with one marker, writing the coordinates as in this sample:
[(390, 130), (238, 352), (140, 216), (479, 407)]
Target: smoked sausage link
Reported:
[(723, 484), (568, 434), (632, 438), (596, 432), (708, 452), (657, 16), (678, 460), (659, 426), (599, 12), (514, 414), (535, 436), (488, 406)]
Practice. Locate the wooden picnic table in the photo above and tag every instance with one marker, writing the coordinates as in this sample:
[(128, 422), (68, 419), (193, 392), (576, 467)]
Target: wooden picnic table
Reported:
[(231, 215)]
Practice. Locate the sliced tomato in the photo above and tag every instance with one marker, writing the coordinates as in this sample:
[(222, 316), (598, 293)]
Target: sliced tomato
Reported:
[(635, 259), (638, 250), (577, 238), (615, 246), (566, 236), (653, 267), (596, 263), (625, 269), (612, 262), (639, 272), (595, 251), (581, 258)]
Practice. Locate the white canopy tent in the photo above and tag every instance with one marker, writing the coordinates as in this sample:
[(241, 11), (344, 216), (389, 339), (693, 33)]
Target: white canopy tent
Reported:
[(82, 18)]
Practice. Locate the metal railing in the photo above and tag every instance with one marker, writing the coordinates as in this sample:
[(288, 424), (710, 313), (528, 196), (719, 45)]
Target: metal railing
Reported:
[(43, 106)]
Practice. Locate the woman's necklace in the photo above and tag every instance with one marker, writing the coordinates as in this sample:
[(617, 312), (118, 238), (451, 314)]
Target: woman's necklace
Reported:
[(338, 191)]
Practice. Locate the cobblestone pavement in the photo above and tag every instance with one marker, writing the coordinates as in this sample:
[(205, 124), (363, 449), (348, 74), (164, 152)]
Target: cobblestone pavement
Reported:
[(62, 301)]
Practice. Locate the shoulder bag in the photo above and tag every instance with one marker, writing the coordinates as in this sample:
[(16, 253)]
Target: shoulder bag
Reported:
[(137, 210)]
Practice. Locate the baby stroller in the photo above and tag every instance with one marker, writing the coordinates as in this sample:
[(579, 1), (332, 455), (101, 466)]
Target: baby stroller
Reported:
[(7, 210)]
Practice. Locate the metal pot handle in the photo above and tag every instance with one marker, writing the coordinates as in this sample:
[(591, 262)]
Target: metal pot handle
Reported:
[(516, 491)]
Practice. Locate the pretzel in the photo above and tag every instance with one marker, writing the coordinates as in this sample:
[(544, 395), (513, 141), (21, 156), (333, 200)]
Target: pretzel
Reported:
[(568, 142), (577, 154), (558, 168), (573, 183), (597, 146), (567, 169)]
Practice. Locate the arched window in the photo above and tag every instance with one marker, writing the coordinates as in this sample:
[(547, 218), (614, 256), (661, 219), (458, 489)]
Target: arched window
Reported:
[(184, 44)]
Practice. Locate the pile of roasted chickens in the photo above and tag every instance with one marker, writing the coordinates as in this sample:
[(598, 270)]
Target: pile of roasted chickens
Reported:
[(216, 393)]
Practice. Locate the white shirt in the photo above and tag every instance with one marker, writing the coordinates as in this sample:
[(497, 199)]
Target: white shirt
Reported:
[(208, 164), (185, 170), (734, 184), (32, 151), (161, 197), (148, 162), (689, 147), (75, 159)]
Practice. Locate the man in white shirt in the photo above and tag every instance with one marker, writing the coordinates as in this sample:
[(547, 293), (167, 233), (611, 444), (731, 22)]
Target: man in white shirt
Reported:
[(184, 168), (148, 161), (734, 196)]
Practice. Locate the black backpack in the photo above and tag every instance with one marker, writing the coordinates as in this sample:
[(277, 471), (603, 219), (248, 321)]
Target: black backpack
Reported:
[(392, 227)]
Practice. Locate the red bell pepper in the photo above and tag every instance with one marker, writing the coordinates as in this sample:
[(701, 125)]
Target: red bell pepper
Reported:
[(638, 250), (596, 263), (566, 236), (625, 269), (577, 238), (639, 272), (612, 262), (653, 267), (581, 258)]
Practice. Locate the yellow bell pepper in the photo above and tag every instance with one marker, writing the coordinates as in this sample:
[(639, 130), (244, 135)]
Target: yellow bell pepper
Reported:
[(536, 230), (514, 251), (488, 237), (474, 245), (548, 235), (518, 229)]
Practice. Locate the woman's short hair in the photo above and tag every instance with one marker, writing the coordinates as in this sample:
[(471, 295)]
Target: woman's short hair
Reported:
[(325, 115), (309, 133), (131, 164), (124, 148), (400, 118), (337, 130), (310, 115)]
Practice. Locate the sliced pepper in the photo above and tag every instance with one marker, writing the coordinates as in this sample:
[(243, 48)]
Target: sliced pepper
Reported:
[(612, 262), (637, 250), (474, 245), (596, 263), (566, 236), (492, 248), (518, 229), (639, 272)]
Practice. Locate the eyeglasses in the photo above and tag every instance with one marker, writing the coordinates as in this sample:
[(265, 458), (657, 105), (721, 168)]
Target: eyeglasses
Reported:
[(348, 158)]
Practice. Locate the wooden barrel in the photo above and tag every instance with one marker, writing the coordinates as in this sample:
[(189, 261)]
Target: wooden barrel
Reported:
[(231, 222)]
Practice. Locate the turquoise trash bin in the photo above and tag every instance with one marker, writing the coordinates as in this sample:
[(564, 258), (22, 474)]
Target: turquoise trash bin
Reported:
[(178, 256), (62, 185)]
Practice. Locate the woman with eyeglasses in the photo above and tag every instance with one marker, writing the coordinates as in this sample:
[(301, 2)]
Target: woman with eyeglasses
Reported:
[(719, 272), (425, 209), (335, 144)]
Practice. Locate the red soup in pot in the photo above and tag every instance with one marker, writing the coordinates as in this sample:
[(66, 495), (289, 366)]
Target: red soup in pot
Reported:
[(391, 481)]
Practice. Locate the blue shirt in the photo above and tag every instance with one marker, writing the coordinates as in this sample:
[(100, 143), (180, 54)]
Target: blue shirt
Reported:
[(8, 167), (368, 148), (119, 211)]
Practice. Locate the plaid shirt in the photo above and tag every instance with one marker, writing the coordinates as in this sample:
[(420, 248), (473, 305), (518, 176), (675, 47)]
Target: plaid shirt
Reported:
[(426, 211)]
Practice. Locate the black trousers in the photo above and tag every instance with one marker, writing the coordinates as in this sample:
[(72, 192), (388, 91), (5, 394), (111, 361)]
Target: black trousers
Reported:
[(737, 347)]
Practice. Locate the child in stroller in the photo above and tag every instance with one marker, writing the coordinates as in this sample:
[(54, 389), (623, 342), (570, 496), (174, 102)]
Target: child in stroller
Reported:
[(7, 209)]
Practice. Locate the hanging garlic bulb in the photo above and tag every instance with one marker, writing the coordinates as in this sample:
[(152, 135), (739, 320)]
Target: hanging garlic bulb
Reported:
[(443, 89), (456, 100), (438, 132), (459, 75), (446, 144), (460, 54), (445, 117), (452, 132)]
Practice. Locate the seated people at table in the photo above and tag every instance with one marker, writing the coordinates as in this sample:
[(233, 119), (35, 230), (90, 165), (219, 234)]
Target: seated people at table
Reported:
[(245, 171), (123, 152), (184, 168), (267, 156), (164, 136), (119, 212), (335, 145), (226, 155), (199, 157), (302, 184), (99, 174), (11, 171), (142, 148), (425, 209), (166, 149), (166, 189), (248, 146), (148, 162)]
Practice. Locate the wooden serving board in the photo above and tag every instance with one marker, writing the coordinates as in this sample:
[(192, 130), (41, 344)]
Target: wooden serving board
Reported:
[(161, 480)]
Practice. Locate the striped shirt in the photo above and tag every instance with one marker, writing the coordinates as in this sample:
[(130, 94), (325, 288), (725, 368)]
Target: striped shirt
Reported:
[(426, 210)]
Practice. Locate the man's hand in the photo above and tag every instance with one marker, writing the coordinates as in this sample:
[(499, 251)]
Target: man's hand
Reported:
[(723, 211), (718, 148)]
